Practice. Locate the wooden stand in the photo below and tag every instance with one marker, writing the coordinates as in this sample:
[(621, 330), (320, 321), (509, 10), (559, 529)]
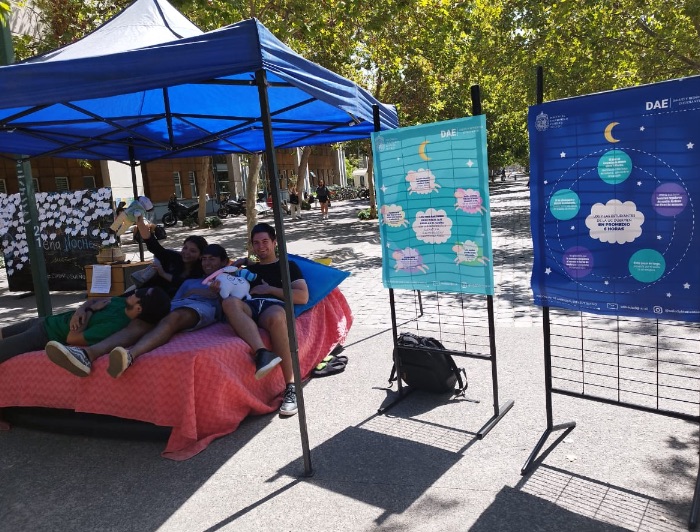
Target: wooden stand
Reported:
[(121, 277)]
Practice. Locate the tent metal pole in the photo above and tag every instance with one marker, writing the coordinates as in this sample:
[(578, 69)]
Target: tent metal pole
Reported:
[(134, 185), (30, 219), (271, 162), (27, 197)]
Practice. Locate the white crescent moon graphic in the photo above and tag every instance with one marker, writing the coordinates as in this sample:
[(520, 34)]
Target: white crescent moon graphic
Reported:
[(421, 150), (608, 132)]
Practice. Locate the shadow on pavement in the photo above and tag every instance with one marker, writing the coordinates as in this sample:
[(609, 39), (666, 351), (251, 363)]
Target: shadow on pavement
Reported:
[(514, 511), (568, 501)]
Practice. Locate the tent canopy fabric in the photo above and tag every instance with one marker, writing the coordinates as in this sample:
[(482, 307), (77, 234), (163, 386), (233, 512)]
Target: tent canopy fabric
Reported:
[(190, 94), (141, 24)]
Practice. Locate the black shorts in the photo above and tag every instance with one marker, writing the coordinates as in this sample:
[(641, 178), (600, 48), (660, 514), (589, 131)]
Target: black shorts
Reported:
[(258, 305)]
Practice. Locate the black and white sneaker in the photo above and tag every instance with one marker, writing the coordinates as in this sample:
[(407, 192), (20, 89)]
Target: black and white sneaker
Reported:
[(289, 404), (265, 361), (69, 358)]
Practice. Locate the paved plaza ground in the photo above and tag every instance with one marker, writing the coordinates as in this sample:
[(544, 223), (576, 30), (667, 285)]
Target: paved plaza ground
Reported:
[(418, 467)]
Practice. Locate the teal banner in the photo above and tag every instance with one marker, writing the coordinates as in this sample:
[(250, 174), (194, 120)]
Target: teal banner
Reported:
[(434, 214)]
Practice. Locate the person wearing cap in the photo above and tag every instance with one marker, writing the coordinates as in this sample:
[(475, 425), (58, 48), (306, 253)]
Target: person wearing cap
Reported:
[(194, 306), (93, 321)]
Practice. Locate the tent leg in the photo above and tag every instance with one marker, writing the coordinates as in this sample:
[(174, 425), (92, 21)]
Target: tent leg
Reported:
[(135, 188), (271, 161)]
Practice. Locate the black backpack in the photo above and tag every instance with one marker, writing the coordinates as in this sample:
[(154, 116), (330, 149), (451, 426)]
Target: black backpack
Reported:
[(425, 367)]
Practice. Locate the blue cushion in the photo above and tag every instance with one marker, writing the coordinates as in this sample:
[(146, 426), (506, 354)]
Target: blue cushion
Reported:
[(320, 279)]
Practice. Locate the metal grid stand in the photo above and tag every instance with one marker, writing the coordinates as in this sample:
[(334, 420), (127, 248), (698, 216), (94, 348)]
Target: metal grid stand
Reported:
[(451, 328), (635, 363)]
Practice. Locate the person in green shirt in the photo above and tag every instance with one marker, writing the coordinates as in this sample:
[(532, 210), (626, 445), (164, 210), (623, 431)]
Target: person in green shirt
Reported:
[(93, 321)]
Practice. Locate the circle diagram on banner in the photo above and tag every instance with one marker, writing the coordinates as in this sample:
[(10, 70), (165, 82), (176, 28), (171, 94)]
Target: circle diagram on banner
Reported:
[(623, 217)]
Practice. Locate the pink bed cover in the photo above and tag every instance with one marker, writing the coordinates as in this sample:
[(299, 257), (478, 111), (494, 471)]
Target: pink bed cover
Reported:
[(201, 383)]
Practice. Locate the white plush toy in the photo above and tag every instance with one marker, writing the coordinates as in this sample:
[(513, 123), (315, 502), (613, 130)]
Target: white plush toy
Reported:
[(128, 216), (234, 281)]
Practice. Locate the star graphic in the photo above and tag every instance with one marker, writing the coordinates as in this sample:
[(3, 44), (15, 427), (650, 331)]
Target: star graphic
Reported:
[(546, 182), (659, 237), (686, 286), (388, 246), (573, 227), (470, 163), (607, 282), (639, 183), (562, 154), (641, 128), (668, 294), (548, 270), (690, 145), (384, 189)]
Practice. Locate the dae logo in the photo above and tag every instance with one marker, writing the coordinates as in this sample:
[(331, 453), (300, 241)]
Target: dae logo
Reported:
[(658, 104), (386, 144), (542, 122), (380, 143)]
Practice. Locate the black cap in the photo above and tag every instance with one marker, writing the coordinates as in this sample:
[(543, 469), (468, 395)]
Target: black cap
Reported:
[(155, 304), (215, 250)]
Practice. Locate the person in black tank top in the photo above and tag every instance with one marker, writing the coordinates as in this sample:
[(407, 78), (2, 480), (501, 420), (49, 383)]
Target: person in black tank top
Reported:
[(266, 309), (323, 195)]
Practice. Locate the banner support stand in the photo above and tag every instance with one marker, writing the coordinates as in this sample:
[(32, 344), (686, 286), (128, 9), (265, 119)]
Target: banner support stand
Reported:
[(550, 389), (498, 410), (403, 391), (551, 427)]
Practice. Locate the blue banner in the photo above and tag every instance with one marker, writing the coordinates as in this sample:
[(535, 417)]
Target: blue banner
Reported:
[(432, 194), (614, 182)]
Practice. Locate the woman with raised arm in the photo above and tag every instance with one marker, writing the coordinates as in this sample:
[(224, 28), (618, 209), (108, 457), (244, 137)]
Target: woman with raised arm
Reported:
[(172, 267)]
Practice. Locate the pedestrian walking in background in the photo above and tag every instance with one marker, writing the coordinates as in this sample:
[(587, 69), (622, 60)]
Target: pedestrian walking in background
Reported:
[(323, 196), (294, 205)]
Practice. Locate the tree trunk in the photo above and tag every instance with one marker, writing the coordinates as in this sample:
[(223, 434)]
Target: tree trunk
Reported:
[(251, 194), (370, 186), (202, 178), (304, 168)]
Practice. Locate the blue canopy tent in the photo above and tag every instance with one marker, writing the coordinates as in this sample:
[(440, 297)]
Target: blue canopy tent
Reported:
[(149, 85), (190, 96)]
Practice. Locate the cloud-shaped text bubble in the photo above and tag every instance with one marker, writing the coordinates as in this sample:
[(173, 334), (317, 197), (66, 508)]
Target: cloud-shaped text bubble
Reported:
[(409, 260), (615, 222), (421, 181), (469, 254), (433, 226), (469, 201), (393, 216)]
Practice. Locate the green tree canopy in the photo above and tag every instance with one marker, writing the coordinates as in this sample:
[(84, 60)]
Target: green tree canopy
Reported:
[(424, 55)]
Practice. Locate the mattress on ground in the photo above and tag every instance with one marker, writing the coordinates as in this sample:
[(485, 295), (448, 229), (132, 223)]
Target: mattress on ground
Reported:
[(201, 383)]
